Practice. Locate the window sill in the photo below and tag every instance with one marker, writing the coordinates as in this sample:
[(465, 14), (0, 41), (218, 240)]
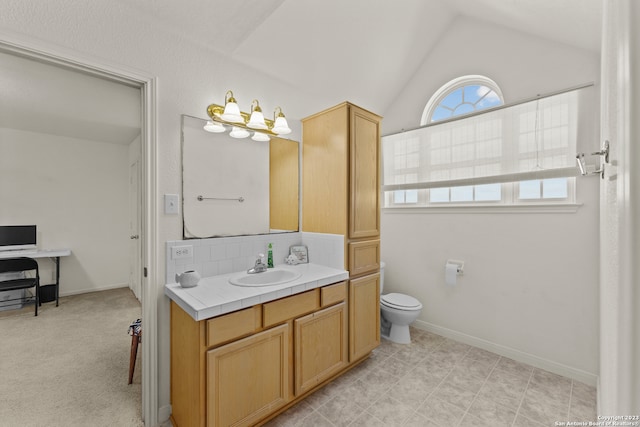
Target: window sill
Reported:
[(520, 208)]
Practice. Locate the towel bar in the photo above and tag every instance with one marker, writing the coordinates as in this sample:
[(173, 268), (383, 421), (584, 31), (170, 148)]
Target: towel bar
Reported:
[(201, 198)]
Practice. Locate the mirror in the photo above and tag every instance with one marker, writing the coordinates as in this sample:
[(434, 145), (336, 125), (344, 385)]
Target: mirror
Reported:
[(233, 187)]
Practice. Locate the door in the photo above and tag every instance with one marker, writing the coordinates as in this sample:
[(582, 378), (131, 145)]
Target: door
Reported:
[(619, 389), (364, 155), (248, 379), (148, 212), (135, 252), (320, 346), (364, 315)]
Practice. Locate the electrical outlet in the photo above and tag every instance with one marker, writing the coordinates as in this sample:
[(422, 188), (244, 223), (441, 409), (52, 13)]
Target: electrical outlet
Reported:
[(179, 252)]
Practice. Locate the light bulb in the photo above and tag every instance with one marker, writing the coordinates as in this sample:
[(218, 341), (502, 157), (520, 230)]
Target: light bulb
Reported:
[(231, 110), (256, 121), (232, 113), (213, 127), (238, 132), (281, 127), (259, 136)]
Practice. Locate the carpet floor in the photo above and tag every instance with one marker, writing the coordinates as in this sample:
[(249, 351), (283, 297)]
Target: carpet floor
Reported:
[(69, 366)]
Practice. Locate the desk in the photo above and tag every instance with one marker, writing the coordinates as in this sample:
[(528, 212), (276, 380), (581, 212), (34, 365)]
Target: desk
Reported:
[(53, 254)]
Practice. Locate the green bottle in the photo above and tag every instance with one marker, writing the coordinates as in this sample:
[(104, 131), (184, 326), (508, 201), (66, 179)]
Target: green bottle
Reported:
[(270, 256)]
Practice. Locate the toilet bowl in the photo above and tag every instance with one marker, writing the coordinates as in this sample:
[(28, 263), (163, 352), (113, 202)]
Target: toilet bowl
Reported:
[(397, 312)]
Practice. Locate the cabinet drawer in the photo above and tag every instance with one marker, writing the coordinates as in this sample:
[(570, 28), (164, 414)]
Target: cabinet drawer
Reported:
[(287, 308), (333, 293), (364, 257), (233, 325)]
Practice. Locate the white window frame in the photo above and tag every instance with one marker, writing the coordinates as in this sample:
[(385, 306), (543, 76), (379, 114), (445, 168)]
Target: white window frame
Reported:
[(510, 192)]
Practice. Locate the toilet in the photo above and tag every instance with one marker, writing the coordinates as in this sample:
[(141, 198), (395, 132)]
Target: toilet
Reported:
[(397, 312)]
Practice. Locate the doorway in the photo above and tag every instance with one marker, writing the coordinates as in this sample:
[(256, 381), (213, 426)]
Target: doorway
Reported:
[(144, 269)]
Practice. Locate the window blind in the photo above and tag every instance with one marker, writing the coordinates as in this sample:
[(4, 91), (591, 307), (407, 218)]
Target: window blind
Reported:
[(535, 139)]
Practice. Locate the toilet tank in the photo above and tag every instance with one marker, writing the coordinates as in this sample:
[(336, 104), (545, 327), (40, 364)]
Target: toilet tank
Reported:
[(382, 264)]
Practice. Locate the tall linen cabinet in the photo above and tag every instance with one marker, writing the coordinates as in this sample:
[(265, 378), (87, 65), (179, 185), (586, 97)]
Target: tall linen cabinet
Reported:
[(341, 195)]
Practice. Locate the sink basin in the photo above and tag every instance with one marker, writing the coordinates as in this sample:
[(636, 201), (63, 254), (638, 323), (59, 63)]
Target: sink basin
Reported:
[(267, 278)]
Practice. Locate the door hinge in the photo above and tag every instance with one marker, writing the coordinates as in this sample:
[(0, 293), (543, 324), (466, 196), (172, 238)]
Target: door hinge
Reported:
[(145, 272)]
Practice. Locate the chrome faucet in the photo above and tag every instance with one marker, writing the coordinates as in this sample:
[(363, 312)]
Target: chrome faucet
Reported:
[(259, 266)]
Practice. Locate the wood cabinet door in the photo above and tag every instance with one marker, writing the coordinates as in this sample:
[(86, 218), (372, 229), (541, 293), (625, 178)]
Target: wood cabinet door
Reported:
[(325, 171), (320, 346), (364, 153), (364, 315), (248, 379), (283, 184)]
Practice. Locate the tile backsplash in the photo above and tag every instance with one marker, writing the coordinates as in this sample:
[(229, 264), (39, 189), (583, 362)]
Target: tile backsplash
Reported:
[(223, 255)]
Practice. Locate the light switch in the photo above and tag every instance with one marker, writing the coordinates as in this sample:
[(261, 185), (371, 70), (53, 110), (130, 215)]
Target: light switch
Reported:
[(171, 204)]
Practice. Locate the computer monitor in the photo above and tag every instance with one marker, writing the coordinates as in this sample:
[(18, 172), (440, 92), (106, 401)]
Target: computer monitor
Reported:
[(17, 237)]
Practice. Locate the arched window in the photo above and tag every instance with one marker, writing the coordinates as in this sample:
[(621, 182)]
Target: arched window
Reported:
[(460, 96)]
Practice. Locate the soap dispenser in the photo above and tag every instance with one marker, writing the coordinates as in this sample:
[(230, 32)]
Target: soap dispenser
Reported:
[(270, 256)]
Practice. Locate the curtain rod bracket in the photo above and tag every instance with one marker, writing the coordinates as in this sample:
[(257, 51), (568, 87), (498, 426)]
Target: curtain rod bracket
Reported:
[(604, 159)]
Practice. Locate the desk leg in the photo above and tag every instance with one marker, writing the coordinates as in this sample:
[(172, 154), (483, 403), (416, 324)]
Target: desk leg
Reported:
[(57, 263), (56, 284)]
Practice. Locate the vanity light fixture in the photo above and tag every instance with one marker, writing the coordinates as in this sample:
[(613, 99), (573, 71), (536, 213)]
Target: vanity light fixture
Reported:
[(213, 127), (230, 113)]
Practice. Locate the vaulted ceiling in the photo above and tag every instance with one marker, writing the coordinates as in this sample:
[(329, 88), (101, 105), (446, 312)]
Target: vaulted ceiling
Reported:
[(354, 48)]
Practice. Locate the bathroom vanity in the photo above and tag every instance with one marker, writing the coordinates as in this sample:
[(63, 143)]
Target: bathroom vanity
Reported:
[(240, 355)]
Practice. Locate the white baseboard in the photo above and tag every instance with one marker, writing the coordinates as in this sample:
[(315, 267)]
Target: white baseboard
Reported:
[(164, 412), (520, 356), (98, 289)]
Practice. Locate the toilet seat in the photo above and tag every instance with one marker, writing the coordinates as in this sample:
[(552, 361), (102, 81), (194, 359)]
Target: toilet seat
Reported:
[(400, 302)]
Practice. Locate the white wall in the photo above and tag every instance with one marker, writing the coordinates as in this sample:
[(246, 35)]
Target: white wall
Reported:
[(530, 287), (523, 66), (76, 192)]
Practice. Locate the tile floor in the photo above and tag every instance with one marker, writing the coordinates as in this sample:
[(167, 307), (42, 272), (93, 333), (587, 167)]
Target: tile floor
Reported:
[(436, 381)]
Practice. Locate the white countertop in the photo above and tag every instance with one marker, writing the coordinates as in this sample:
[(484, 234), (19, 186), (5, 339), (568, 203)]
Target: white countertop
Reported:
[(214, 295)]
